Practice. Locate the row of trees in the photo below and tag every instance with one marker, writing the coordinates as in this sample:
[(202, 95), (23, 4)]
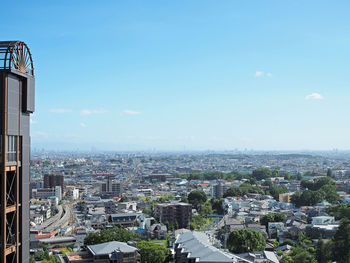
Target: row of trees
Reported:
[(150, 252), (209, 176), (243, 189), (315, 192), (257, 174), (247, 188), (335, 250)]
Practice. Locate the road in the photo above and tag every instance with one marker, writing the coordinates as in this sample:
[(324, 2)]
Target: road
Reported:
[(51, 219), (58, 221)]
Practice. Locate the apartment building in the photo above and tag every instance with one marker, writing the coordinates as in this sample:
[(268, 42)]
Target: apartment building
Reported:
[(174, 213)]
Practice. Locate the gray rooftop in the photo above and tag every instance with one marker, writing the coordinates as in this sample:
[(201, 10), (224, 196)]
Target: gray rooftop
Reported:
[(109, 247), (197, 245)]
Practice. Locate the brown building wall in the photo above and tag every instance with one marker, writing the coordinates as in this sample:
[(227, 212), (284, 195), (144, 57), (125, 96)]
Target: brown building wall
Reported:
[(53, 180), (180, 214)]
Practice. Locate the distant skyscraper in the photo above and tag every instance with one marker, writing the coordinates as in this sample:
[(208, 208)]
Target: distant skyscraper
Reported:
[(16, 104)]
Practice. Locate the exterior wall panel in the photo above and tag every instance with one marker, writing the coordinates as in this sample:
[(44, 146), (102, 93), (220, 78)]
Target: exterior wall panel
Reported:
[(12, 105), (29, 95)]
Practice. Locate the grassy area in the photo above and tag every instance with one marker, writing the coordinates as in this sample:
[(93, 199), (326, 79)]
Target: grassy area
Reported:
[(160, 242)]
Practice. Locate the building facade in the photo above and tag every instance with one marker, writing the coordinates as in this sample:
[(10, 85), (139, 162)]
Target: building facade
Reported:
[(179, 214), (45, 193), (17, 86), (111, 187), (53, 180)]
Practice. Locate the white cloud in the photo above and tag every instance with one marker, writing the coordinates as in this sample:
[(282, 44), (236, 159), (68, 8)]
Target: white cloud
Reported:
[(60, 110), (259, 74), (83, 125), (131, 112), (90, 112), (314, 96)]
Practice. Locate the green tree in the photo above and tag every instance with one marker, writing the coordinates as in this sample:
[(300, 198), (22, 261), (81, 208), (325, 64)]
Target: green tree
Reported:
[(342, 242), (329, 172), (217, 206), (330, 193), (197, 197), (272, 217), (107, 235), (242, 190), (287, 176), (245, 240), (340, 211), (147, 211), (275, 191), (124, 199), (200, 223), (323, 253), (262, 173), (286, 259), (299, 176), (152, 253), (205, 209), (317, 184), (307, 197), (301, 255), (184, 199)]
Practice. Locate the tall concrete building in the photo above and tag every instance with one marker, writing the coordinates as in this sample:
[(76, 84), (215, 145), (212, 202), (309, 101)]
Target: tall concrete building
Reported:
[(111, 187), (16, 104), (53, 180), (218, 189), (177, 214)]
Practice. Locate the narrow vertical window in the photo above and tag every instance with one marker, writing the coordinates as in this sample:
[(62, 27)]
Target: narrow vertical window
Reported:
[(11, 148)]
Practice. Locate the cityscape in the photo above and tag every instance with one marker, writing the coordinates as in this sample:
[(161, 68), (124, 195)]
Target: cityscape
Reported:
[(174, 132), (190, 203)]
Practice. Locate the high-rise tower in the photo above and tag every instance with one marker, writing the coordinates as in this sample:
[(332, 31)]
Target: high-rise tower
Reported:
[(16, 104)]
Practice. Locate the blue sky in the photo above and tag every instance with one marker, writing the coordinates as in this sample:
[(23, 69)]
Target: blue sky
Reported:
[(193, 75)]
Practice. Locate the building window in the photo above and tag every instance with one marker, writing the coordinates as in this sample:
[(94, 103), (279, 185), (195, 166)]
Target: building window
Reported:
[(11, 148)]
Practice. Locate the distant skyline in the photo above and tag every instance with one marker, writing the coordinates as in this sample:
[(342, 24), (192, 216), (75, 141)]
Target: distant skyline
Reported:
[(187, 75)]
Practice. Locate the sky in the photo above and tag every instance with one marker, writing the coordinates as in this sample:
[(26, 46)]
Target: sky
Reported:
[(187, 75)]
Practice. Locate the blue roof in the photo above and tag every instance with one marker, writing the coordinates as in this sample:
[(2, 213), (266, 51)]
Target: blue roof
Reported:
[(140, 230)]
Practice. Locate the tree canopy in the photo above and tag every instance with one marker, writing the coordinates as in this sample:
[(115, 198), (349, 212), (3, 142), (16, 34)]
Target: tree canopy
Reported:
[(243, 189), (272, 217), (321, 189), (245, 240), (263, 173), (342, 242), (197, 197), (340, 211), (107, 235), (152, 253)]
